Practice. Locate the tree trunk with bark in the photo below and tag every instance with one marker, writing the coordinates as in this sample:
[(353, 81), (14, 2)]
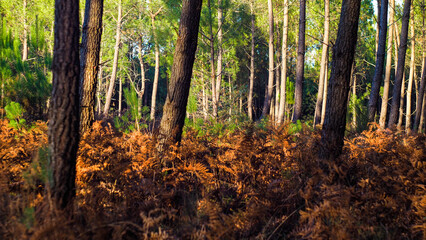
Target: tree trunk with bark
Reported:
[(281, 110), (25, 37), (338, 88), (212, 68), (380, 61), (178, 89), (411, 77), (322, 75), (89, 61), (298, 94), (250, 95), (157, 65), (396, 97), (219, 48), (64, 117), (115, 61), (270, 87), (385, 97)]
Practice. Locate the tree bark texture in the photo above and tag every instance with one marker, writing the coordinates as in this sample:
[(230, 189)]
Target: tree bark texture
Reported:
[(322, 75), (250, 95), (64, 117), (178, 89), (338, 88), (89, 61), (411, 76), (298, 94), (115, 61), (219, 48), (270, 87), (281, 110), (420, 99), (396, 97), (386, 85), (324, 100), (157, 65), (25, 37), (212, 68), (380, 61)]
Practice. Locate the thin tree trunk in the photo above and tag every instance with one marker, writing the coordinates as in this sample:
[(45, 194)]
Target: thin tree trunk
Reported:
[(281, 111), (380, 61), (423, 115), (219, 48), (322, 75), (411, 77), (324, 100), (277, 79), (354, 115), (99, 88), (115, 62), (178, 89), (142, 89), (298, 94), (120, 96), (212, 68), (379, 14), (393, 117), (205, 98), (343, 55), (25, 42), (64, 116), (89, 61), (385, 98), (157, 65), (401, 104), (250, 95), (420, 98), (230, 96), (268, 95)]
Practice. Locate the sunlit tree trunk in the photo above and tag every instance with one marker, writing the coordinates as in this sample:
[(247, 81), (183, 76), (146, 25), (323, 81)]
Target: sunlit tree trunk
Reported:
[(178, 89), (270, 87), (89, 61), (64, 116), (115, 61), (324, 99), (338, 88), (393, 117), (298, 93), (142, 89), (380, 61), (277, 78), (219, 48), (281, 110), (423, 115), (25, 37), (250, 95), (99, 89), (385, 98), (354, 114), (411, 77), (322, 75), (157, 65), (421, 91), (212, 68)]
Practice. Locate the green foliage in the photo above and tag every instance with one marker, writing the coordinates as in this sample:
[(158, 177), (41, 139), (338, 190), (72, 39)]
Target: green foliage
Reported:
[(14, 113)]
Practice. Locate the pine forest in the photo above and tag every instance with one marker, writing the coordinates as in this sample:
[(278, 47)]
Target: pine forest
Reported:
[(212, 119)]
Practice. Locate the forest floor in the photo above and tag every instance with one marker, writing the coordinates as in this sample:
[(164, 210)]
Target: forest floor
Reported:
[(254, 181)]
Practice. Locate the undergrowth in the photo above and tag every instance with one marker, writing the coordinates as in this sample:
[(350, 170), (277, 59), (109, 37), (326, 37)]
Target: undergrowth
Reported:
[(254, 182)]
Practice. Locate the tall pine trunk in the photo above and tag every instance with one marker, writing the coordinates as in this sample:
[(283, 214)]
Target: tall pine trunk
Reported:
[(250, 95), (25, 37), (396, 97), (157, 65), (178, 89), (411, 77), (64, 117), (270, 87), (322, 75), (89, 61), (338, 88), (298, 94), (385, 97), (212, 68), (281, 110), (115, 61), (219, 48), (380, 60)]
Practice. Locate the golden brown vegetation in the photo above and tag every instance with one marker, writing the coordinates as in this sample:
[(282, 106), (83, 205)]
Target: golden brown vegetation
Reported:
[(254, 183)]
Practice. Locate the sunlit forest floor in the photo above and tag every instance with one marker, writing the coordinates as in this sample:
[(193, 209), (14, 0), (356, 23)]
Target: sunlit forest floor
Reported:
[(250, 182)]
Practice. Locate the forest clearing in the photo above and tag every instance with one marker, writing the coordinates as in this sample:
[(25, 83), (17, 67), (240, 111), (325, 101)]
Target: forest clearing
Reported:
[(202, 119)]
